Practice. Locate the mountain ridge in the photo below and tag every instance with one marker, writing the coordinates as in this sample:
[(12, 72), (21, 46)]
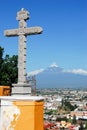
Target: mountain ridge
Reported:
[(57, 77)]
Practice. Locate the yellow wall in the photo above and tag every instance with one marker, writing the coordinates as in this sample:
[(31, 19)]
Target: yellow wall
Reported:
[(31, 115), (5, 90)]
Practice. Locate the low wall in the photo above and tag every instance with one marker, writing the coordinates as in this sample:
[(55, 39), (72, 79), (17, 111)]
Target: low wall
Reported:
[(21, 113)]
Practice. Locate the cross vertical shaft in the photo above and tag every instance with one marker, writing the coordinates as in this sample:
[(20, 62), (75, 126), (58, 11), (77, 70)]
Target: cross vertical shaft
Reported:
[(22, 60), (22, 16)]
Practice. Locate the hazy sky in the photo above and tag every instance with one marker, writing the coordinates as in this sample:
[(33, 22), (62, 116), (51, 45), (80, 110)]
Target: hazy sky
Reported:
[(64, 37)]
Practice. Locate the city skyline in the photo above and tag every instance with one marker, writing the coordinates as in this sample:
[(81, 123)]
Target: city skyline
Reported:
[(64, 38)]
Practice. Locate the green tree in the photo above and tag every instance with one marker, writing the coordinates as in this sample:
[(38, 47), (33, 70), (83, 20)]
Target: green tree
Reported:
[(86, 125), (8, 69), (67, 105), (1, 55), (70, 120), (61, 119), (1, 61), (81, 126), (74, 119)]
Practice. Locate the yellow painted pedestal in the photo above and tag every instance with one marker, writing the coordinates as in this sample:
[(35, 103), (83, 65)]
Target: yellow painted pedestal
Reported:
[(5, 91), (21, 113)]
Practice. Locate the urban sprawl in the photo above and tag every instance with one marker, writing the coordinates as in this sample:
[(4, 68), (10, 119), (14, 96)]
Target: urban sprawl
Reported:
[(64, 109)]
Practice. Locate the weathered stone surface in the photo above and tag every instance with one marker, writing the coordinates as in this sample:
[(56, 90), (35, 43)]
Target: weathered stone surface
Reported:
[(21, 89), (22, 15), (22, 32), (10, 33)]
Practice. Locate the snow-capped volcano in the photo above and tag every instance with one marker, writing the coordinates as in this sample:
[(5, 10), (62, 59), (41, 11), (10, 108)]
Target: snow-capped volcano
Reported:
[(55, 76)]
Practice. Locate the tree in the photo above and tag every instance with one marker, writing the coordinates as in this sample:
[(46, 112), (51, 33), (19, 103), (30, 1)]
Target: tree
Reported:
[(86, 125), (81, 126), (67, 105), (74, 119), (61, 119), (1, 61), (8, 69), (1, 55)]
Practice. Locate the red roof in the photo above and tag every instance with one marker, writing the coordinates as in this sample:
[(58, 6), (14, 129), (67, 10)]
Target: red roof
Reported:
[(49, 125), (46, 124)]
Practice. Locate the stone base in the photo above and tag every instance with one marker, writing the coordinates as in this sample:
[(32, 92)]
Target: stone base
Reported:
[(21, 89)]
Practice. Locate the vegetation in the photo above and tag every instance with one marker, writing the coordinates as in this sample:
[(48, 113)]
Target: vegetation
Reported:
[(86, 125), (50, 112), (74, 120), (61, 119), (8, 69), (66, 107), (81, 126)]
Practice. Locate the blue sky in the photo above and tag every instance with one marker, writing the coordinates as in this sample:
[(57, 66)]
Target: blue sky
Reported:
[(64, 37)]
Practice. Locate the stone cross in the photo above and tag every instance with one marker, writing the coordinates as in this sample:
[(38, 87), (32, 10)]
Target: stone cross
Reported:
[(22, 32)]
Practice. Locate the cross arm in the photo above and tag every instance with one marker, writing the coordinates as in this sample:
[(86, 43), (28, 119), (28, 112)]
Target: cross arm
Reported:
[(23, 31), (33, 30), (9, 33)]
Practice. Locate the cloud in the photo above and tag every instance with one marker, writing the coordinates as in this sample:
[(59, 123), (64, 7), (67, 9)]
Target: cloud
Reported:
[(74, 71), (77, 71), (54, 64), (35, 72)]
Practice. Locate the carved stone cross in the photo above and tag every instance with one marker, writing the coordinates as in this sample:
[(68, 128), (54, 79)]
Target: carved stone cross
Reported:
[(22, 32)]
